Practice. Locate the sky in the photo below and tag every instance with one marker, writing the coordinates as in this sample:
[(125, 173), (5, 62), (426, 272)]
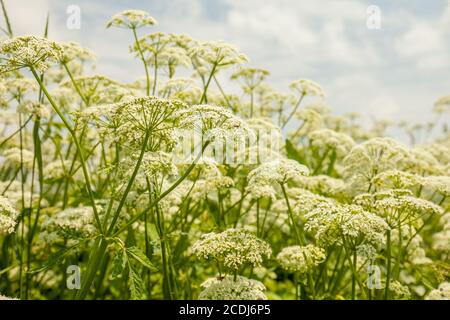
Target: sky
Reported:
[(397, 71)]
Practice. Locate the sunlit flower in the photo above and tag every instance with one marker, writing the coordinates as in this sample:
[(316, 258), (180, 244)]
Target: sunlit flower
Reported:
[(301, 259), (227, 288), (233, 248), (131, 19)]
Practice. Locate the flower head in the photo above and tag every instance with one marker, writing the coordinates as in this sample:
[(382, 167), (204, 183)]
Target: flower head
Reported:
[(227, 288), (131, 19), (307, 88), (8, 216), (301, 259), (233, 247), (29, 51), (278, 171)]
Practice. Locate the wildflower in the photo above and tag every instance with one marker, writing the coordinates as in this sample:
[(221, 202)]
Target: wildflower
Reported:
[(7, 298), (439, 184), (321, 107), (399, 291), (8, 216), (216, 55), (441, 293), (312, 120), (29, 51), (306, 201), (132, 119), (332, 140), (35, 109), (173, 57), (233, 247), (251, 78), (334, 223), (301, 259), (18, 87), (422, 162), (131, 19), (307, 88), (227, 288), (372, 157), (216, 124), (278, 171), (72, 223), (322, 184), (398, 206), (442, 105), (17, 157), (154, 163), (176, 86), (70, 51), (396, 179), (441, 239)]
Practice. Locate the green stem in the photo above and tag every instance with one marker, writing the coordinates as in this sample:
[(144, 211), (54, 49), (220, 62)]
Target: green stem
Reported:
[(147, 77), (77, 88), (293, 110), (213, 70), (77, 144), (388, 267), (164, 194), (130, 183)]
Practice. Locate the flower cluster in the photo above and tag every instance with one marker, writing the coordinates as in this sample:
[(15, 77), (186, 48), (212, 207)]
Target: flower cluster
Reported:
[(8, 216), (301, 259), (227, 288), (233, 247)]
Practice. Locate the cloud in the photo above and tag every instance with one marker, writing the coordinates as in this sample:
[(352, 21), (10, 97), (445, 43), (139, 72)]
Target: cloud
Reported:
[(397, 71)]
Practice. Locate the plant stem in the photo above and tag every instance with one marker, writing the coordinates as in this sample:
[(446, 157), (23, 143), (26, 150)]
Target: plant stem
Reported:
[(293, 110), (388, 267), (213, 70), (77, 144), (77, 88), (147, 77)]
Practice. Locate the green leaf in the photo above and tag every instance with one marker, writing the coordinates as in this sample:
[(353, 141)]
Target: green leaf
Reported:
[(138, 255), (119, 264), (152, 232), (292, 152), (135, 284)]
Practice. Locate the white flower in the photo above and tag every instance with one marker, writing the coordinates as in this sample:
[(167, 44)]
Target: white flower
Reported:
[(332, 140), (8, 216), (233, 247), (307, 87), (29, 51), (278, 171), (71, 223), (334, 223), (301, 259), (131, 19), (227, 288), (441, 293)]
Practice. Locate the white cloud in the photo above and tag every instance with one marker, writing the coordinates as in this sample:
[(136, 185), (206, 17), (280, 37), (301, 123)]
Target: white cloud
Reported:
[(397, 71), (420, 39)]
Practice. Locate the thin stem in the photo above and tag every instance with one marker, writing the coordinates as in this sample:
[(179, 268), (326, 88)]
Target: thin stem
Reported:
[(165, 193), (213, 70), (130, 183), (77, 88), (147, 77), (389, 262), (293, 110), (77, 144)]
